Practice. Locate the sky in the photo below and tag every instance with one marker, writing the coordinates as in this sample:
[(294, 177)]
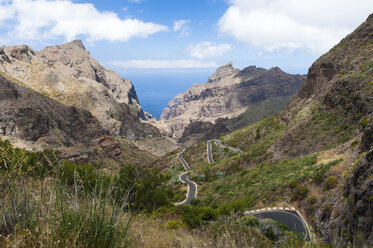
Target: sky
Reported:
[(165, 46)]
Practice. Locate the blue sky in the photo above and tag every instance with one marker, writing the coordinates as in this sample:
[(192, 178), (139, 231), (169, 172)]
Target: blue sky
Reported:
[(164, 46)]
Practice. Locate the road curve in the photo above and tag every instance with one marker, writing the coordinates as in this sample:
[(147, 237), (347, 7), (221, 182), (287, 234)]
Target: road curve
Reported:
[(210, 157), (220, 143), (289, 218), (180, 157), (192, 186)]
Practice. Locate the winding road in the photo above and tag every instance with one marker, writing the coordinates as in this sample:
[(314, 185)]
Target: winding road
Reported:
[(288, 216), (192, 186), (210, 157)]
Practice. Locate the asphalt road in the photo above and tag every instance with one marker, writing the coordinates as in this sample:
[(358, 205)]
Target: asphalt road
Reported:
[(209, 152), (290, 219), (192, 186), (180, 157), (219, 143)]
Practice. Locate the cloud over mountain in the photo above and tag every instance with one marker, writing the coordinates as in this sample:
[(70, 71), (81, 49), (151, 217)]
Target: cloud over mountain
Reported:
[(287, 24), (207, 49), (41, 20)]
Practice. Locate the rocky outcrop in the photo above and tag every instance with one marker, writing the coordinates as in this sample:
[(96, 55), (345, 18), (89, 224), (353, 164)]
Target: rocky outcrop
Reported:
[(68, 74), (334, 108), (336, 98), (30, 116), (228, 93), (347, 220)]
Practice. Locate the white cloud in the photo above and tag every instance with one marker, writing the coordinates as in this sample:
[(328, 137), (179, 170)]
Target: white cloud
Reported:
[(182, 26), (207, 50), (41, 19), (163, 64), (315, 25)]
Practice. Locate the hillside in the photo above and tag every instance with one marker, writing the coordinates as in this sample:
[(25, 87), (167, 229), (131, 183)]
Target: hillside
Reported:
[(100, 190), (68, 74), (316, 155), (229, 100)]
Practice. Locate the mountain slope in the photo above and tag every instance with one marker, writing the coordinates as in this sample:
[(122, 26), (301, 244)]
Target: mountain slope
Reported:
[(229, 93), (68, 74), (30, 116), (316, 155)]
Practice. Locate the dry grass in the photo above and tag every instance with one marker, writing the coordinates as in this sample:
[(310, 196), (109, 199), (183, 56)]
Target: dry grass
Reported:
[(148, 232)]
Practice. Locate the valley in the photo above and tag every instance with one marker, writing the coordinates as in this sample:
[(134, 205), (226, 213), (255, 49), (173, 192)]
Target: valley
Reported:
[(252, 158)]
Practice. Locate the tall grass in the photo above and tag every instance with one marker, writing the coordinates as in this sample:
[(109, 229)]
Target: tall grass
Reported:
[(38, 208)]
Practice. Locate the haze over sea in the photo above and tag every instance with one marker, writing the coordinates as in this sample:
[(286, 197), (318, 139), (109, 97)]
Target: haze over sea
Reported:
[(156, 89)]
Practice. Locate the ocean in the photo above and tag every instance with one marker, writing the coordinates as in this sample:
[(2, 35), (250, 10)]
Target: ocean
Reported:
[(156, 89)]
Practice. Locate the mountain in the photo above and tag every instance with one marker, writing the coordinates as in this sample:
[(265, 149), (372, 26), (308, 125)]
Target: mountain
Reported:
[(69, 75), (32, 117), (315, 155), (230, 99), (335, 109)]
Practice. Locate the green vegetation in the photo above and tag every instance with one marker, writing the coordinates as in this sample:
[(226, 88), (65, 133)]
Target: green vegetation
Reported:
[(256, 149), (258, 112), (330, 182), (269, 182), (56, 203)]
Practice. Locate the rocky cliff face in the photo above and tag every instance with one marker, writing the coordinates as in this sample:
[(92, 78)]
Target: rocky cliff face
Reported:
[(69, 75), (31, 117), (334, 109), (336, 98), (228, 93)]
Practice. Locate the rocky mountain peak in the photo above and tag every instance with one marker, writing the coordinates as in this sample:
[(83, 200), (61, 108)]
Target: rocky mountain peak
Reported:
[(222, 72), (75, 45), (227, 94), (22, 53), (276, 69), (68, 74)]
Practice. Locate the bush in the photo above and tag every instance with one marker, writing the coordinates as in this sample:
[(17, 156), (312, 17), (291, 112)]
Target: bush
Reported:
[(145, 188), (196, 216), (327, 210), (174, 224), (364, 123), (330, 183), (19, 161), (250, 220), (312, 200), (292, 183), (84, 175), (319, 175), (299, 193)]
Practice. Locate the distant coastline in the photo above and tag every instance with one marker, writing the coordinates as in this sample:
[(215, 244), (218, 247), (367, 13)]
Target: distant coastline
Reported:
[(155, 90)]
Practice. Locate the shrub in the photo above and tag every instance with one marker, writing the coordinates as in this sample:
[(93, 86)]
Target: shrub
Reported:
[(327, 210), (354, 143), (299, 193), (292, 183), (330, 183), (174, 224), (364, 123), (250, 220), (196, 216), (312, 200), (145, 188)]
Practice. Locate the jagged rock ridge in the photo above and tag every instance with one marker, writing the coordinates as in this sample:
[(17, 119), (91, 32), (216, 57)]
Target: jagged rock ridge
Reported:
[(68, 74), (228, 93)]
